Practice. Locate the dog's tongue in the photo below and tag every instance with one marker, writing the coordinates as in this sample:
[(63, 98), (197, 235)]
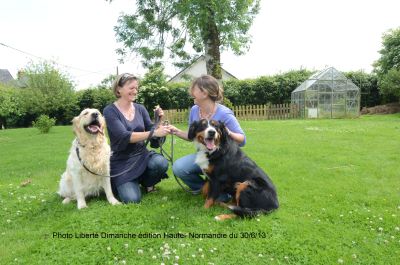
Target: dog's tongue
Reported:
[(95, 128), (210, 144)]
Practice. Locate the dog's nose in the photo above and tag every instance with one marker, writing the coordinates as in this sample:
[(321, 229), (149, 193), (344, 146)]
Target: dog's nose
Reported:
[(211, 133), (95, 115)]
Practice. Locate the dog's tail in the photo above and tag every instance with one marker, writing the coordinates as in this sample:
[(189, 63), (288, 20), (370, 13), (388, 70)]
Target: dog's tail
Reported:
[(247, 212)]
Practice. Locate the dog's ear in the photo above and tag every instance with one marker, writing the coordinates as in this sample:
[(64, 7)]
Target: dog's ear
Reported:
[(75, 124), (222, 128), (192, 130)]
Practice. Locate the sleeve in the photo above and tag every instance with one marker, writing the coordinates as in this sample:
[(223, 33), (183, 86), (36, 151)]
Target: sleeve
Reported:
[(146, 118), (233, 125), (119, 135), (191, 115)]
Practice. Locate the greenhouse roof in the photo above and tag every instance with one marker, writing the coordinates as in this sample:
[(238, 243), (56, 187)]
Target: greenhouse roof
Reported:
[(329, 74)]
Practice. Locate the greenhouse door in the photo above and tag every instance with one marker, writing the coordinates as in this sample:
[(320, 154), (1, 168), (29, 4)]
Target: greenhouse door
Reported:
[(339, 104), (324, 105)]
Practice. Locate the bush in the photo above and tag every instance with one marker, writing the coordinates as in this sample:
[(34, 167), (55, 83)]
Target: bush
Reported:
[(390, 85), (368, 83), (44, 123), (97, 98), (275, 89), (12, 109)]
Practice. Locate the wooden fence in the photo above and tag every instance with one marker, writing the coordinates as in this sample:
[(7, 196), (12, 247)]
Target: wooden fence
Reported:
[(250, 112)]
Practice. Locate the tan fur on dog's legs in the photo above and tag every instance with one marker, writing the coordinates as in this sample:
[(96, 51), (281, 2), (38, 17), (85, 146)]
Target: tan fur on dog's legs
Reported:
[(110, 196)]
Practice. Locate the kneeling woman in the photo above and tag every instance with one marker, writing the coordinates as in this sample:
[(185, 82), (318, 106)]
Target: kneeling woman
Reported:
[(128, 126), (206, 94)]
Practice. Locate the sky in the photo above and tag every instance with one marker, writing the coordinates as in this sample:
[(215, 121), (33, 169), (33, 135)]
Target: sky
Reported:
[(286, 35)]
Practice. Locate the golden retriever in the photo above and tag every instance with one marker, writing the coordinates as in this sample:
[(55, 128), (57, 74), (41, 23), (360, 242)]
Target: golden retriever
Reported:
[(94, 152)]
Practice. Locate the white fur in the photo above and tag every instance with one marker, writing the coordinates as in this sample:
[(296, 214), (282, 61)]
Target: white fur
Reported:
[(202, 160), (202, 151), (76, 182)]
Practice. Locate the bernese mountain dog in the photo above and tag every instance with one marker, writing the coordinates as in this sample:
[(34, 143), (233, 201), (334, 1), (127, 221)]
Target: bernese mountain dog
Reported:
[(230, 170)]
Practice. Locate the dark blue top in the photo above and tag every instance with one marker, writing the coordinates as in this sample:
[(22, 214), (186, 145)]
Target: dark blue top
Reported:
[(124, 153)]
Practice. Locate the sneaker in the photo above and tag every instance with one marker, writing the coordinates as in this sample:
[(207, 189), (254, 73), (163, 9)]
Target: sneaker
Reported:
[(225, 197)]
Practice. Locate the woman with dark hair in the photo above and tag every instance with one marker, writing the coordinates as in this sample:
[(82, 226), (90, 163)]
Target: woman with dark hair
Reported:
[(128, 126), (206, 94)]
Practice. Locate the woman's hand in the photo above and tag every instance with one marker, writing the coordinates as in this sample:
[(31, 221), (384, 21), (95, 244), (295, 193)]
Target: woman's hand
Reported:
[(161, 131), (173, 129), (160, 111), (181, 134)]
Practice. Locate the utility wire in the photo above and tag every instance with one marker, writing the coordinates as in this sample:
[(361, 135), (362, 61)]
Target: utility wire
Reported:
[(64, 65)]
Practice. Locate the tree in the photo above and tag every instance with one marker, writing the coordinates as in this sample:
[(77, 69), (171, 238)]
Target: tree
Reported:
[(184, 29), (390, 83), (49, 92), (390, 53), (11, 109), (107, 82), (387, 66)]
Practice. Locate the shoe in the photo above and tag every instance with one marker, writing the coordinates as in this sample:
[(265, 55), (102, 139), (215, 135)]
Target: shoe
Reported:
[(151, 189), (225, 197)]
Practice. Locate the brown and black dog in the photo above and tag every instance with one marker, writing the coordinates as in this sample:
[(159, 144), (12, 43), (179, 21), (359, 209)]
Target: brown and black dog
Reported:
[(230, 171)]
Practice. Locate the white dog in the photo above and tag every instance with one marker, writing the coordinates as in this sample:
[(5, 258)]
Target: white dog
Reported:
[(91, 149)]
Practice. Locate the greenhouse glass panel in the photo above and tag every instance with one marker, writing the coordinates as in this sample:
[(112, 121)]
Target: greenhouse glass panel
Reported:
[(327, 94)]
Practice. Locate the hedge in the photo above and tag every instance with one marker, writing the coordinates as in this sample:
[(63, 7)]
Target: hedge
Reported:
[(17, 105)]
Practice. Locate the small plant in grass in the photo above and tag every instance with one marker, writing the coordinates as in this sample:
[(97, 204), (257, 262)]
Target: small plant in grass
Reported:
[(44, 123)]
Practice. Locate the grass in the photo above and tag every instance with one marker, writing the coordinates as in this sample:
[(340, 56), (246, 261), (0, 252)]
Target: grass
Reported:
[(338, 183)]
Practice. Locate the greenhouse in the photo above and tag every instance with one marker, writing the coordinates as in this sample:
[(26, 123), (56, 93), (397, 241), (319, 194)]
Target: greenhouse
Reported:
[(327, 94)]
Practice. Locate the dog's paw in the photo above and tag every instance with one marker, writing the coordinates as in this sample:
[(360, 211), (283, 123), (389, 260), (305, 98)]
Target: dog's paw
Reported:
[(82, 205), (223, 217), (115, 202), (66, 200)]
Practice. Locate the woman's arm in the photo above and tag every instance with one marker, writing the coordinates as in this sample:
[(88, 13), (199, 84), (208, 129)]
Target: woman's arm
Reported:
[(161, 131), (181, 134), (234, 129), (237, 137), (122, 137)]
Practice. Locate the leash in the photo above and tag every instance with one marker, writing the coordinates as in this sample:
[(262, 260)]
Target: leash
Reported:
[(154, 143), (170, 156), (100, 175), (157, 122)]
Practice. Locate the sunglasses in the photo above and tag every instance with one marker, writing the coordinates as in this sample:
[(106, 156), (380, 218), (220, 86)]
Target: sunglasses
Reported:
[(124, 78)]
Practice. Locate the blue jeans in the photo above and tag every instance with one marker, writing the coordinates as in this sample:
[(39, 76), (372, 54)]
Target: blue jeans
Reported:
[(189, 172), (155, 171)]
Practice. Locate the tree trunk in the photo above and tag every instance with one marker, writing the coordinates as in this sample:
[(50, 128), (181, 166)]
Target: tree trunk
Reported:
[(211, 46)]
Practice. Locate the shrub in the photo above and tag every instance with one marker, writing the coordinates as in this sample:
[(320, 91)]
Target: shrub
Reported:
[(97, 98), (44, 123)]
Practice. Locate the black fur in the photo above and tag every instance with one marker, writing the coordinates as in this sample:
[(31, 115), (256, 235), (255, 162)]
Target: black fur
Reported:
[(230, 165)]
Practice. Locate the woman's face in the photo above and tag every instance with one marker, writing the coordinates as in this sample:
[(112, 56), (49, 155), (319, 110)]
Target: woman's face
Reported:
[(130, 90), (198, 95)]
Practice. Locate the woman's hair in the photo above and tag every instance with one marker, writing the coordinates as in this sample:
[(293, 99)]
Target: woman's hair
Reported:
[(120, 81), (209, 84)]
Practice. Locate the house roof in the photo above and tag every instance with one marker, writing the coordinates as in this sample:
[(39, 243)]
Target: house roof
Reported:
[(5, 76), (193, 63)]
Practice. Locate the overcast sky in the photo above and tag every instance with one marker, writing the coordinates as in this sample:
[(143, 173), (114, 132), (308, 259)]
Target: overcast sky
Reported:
[(287, 34)]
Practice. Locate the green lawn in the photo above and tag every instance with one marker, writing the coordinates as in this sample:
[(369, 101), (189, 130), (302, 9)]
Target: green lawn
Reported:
[(338, 184)]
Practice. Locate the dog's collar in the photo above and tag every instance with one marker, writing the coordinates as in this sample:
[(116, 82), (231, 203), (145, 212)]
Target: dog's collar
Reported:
[(79, 144)]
